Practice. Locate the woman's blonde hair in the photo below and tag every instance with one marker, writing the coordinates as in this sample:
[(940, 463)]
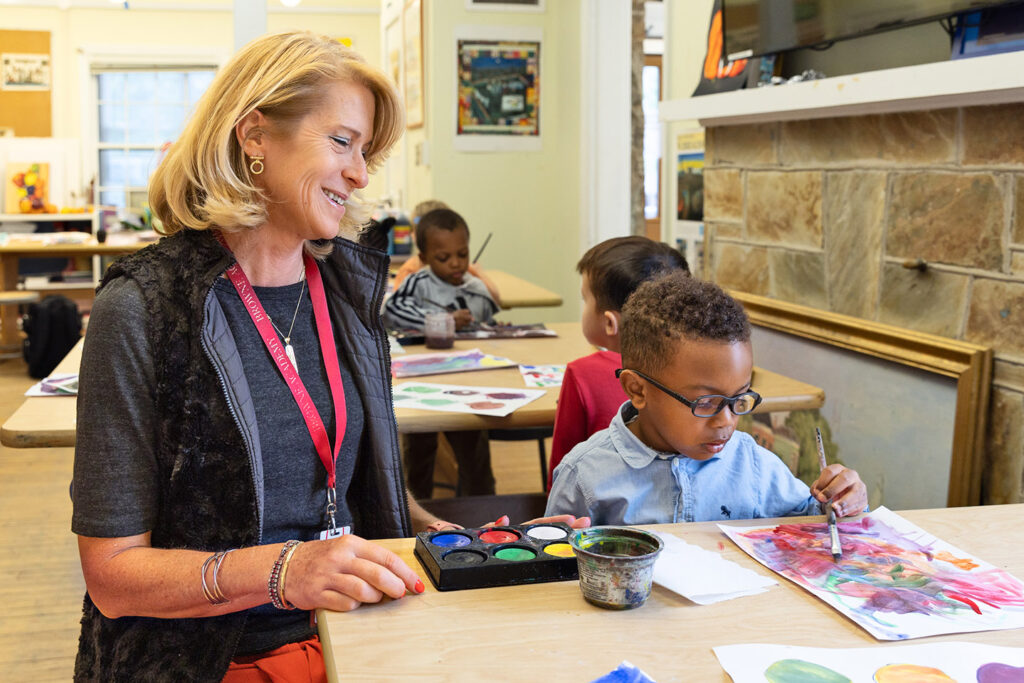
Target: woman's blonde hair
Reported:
[(204, 182)]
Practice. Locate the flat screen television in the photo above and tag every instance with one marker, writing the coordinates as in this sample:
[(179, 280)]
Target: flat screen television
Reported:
[(760, 27)]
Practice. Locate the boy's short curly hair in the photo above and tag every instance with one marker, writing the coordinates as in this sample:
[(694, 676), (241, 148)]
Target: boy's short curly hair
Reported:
[(672, 307), (616, 267), (438, 219)]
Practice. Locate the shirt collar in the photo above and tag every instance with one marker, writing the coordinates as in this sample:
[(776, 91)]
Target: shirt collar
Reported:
[(635, 452)]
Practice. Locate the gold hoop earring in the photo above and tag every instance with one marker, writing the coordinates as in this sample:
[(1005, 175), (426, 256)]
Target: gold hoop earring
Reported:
[(256, 165)]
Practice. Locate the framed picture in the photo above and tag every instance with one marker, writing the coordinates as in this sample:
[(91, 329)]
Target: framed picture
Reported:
[(393, 52), (25, 71), (505, 5), (412, 31), (907, 410), (498, 103)]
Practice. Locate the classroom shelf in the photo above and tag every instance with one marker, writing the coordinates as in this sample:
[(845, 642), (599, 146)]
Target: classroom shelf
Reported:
[(991, 79)]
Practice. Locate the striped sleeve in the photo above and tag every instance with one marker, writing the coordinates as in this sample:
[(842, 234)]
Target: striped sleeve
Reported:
[(402, 310)]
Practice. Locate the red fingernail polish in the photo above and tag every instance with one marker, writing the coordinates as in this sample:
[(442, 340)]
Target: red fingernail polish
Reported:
[(419, 588)]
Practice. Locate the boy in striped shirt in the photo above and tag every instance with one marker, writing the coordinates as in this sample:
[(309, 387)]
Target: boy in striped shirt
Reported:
[(442, 238)]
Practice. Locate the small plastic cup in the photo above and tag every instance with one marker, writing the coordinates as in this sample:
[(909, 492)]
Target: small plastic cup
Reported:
[(439, 330), (616, 565)]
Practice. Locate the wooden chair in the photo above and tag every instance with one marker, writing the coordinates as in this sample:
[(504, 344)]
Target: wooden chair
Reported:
[(528, 434)]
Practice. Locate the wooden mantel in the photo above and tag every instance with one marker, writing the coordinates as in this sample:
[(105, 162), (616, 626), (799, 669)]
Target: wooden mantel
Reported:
[(991, 79)]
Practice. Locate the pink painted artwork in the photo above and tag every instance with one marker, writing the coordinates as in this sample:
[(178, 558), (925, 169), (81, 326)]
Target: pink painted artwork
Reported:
[(422, 364), (894, 579)]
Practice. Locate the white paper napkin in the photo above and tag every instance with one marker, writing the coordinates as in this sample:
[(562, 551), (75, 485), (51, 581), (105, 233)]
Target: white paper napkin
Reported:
[(702, 576)]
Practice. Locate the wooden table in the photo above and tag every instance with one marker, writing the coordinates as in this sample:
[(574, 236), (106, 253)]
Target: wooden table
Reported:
[(779, 392), (13, 251), (548, 632), (518, 293), (50, 421)]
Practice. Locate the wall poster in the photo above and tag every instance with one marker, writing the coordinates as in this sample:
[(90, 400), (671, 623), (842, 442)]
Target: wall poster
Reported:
[(498, 90)]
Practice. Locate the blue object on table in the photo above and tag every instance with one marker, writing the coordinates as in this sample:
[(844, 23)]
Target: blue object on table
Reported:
[(624, 673)]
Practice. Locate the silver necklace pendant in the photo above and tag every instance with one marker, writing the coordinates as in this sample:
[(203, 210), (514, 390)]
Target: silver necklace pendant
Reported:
[(290, 352)]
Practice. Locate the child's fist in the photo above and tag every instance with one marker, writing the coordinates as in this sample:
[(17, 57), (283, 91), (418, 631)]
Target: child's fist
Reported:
[(843, 487)]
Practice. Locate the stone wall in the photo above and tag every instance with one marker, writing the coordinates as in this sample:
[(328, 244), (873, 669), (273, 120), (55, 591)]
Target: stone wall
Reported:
[(826, 213)]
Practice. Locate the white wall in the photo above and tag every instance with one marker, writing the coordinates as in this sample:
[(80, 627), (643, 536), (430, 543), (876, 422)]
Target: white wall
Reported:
[(530, 200)]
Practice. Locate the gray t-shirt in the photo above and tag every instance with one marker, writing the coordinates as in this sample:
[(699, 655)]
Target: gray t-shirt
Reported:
[(116, 489)]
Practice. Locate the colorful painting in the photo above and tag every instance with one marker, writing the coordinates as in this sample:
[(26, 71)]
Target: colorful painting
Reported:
[(542, 375), (420, 364), (27, 188), (499, 87), (932, 663), (453, 398), (894, 579)]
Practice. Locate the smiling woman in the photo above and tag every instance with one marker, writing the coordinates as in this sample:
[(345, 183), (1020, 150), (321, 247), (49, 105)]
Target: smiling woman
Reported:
[(235, 428)]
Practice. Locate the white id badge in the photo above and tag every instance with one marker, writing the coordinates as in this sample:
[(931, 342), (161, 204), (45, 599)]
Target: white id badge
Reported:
[(334, 533)]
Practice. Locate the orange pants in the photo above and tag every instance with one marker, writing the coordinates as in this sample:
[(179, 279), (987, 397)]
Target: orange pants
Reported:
[(303, 661)]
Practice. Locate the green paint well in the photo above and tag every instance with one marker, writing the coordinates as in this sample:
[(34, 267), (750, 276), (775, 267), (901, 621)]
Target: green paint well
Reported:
[(800, 671), (515, 554)]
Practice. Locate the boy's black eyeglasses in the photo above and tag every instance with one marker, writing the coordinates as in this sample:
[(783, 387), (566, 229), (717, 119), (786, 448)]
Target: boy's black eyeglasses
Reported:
[(710, 404)]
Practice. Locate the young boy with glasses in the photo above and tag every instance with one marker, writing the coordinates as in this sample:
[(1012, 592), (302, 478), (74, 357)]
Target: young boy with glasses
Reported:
[(672, 453)]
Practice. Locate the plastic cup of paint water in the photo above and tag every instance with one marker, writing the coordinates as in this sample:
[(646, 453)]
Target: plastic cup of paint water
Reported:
[(616, 565), (439, 330)]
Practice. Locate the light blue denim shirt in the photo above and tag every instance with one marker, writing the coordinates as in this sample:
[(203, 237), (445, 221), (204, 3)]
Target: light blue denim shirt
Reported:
[(614, 478)]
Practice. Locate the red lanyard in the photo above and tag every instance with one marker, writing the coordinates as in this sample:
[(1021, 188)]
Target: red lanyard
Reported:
[(317, 431)]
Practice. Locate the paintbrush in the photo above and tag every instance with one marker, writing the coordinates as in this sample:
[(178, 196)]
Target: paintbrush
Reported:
[(833, 530), (483, 247)]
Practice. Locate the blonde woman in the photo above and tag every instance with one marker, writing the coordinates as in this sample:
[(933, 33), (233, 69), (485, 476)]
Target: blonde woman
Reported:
[(236, 441)]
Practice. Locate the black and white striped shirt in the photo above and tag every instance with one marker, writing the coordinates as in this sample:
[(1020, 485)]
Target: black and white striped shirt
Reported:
[(423, 292)]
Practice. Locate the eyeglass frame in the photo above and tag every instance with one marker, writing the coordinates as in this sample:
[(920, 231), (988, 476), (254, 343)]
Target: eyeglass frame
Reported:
[(692, 405)]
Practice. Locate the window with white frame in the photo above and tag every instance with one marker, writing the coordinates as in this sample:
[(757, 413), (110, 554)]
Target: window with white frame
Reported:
[(139, 113)]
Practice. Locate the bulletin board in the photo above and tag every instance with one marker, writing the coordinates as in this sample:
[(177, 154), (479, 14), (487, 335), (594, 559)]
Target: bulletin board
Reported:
[(26, 111)]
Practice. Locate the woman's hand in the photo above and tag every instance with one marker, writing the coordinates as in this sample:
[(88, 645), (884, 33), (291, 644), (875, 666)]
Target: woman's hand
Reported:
[(342, 573), (843, 487)]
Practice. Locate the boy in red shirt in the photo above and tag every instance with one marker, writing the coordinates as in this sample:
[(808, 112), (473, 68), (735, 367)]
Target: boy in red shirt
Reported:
[(591, 394)]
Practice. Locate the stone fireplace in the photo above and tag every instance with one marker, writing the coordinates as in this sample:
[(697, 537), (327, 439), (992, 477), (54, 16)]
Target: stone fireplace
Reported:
[(912, 219)]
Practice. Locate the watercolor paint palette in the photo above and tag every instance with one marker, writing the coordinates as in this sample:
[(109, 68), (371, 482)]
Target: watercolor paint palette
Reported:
[(497, 556)]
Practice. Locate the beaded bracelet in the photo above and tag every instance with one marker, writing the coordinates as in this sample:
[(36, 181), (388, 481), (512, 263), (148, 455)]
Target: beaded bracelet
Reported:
[(274, 583)]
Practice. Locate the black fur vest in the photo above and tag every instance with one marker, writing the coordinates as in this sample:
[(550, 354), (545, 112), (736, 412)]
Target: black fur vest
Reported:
[(208, 487)]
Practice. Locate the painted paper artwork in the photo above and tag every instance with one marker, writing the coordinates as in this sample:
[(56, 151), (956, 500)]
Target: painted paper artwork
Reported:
[(542, 375), (420, 364), (932, 663), (499, 87), (452, 398), (895, 580)]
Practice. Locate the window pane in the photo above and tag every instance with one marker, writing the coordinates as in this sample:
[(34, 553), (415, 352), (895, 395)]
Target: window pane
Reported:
[(198, 82), (140, 164), (136, 198), (140, 86), (111, 87), (651, 89), (112, 122), (142, 124), (170, 86), (112, 198), (169, 122), (113, 167)]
